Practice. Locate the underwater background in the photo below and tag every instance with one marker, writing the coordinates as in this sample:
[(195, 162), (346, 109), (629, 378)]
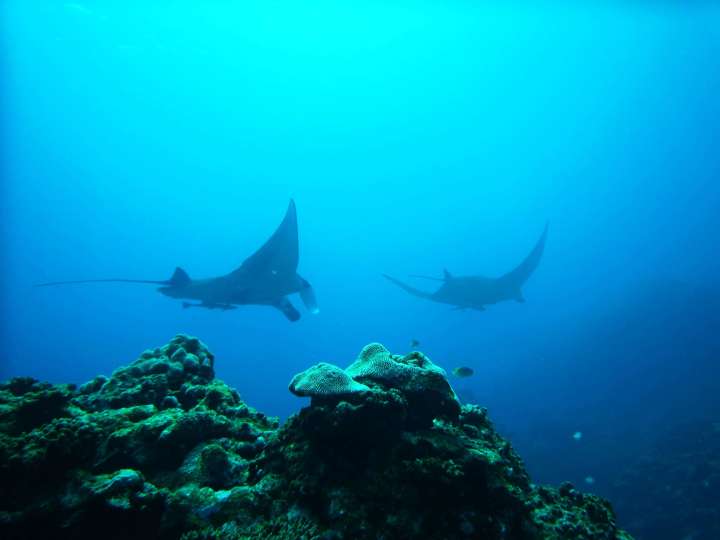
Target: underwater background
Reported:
[(413, 136)]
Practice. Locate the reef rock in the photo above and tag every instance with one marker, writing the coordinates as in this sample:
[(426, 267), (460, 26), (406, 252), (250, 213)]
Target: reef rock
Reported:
[(162, 449)]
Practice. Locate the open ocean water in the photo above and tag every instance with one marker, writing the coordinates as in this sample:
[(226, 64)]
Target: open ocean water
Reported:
[(413, 137)]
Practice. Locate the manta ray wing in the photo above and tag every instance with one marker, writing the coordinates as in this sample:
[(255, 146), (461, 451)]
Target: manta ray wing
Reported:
[(524, 270), (279, 254), (270, 274)]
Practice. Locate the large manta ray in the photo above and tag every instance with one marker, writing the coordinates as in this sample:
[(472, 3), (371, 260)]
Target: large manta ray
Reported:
[(267, 277), (475, 292)]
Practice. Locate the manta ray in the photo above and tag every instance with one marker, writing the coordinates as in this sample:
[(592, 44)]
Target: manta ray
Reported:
[(475, 292), (266, 277)]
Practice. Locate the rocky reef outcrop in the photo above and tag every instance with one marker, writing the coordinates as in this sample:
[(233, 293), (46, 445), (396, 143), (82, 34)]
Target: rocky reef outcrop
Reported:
[(162, 449)]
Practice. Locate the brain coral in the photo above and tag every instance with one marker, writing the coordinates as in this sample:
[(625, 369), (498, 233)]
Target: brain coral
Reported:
[(324, 380), (423, 384), (412, 372)]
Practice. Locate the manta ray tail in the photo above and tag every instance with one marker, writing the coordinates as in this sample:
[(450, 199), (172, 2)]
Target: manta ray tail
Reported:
[(518, 276), (428, 277), (447, 276), (406, 287), (179, 278)]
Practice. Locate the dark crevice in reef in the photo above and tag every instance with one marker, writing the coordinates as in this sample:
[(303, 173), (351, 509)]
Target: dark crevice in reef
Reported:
[(162, 449)]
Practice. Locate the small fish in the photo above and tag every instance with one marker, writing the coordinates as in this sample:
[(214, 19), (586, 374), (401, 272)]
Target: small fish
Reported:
[(462, 372), (589, 480), (577, 435), (414, 343)]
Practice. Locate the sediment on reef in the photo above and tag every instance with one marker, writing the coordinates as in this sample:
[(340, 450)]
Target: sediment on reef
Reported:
[(162, 449)]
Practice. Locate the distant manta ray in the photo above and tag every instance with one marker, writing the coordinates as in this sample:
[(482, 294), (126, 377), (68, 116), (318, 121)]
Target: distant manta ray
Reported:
[(475, 292), (265, 278)]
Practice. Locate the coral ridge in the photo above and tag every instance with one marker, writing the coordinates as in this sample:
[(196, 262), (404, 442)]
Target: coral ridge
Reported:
[(162, 449)]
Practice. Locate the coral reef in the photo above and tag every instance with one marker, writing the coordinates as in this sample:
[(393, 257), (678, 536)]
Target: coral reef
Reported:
[(161, 449)]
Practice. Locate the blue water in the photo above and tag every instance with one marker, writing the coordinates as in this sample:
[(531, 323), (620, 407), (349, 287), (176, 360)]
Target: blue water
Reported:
[(413, 136)]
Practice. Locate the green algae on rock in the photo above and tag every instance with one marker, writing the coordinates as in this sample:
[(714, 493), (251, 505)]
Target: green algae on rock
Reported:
[(139, 453), (370, 465), (162, 449)]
